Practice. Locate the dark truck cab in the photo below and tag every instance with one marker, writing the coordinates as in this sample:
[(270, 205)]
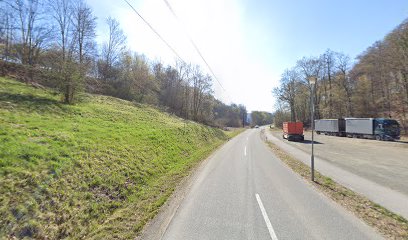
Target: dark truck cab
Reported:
[(374, 128), (386, 129)]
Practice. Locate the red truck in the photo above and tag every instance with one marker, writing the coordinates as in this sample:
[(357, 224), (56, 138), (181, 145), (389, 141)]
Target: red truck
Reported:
[(293, 131)]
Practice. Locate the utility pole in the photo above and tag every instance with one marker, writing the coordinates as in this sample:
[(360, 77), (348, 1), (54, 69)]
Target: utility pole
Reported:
[(312, 81)]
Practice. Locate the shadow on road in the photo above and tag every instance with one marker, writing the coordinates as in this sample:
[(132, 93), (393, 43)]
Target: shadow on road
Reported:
[(310, 142)]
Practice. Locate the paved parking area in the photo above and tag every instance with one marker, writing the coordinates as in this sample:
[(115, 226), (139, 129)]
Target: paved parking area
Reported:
[(385, 163)]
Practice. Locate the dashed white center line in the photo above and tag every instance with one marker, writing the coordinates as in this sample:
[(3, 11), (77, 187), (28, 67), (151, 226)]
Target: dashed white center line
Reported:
[(265, 216), (245, 151)]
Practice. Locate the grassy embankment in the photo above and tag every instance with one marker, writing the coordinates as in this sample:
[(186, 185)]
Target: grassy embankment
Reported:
[(98, 169), (389, 224)]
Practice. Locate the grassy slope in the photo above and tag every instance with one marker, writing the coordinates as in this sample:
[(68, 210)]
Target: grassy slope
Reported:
[(98, 169)]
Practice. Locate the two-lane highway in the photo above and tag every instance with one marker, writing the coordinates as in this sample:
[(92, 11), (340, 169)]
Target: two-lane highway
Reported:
[(244, 192)]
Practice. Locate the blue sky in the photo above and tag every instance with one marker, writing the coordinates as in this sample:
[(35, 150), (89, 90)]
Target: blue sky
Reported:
[(249, 43), (304, 28)]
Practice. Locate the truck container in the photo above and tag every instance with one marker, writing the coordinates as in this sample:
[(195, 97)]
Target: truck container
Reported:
[(293, 131), (378, 128), (334, 127)]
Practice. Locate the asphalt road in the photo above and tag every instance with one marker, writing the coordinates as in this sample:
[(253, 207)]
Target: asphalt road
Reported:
[(244, 192)]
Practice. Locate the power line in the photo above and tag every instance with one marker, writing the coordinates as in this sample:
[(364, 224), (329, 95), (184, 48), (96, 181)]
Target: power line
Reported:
[(172, 49), (195, 46), (151, 27)]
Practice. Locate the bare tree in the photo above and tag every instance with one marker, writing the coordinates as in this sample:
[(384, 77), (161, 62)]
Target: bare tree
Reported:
[(33, 32), (71, 79), (170, 88), (144, 81), (344, 80), (184, 73), (84, 25), (62, 12), (289, 86), (243, 113), (6, 30), (312, 67), (375, 86), (329, 61), (112, 49), (201, 87)]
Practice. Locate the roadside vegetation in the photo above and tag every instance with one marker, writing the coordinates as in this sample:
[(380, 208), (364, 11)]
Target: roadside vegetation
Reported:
[(53, 43), (375, 84), (84, 150), (98, 169), (389, 224)]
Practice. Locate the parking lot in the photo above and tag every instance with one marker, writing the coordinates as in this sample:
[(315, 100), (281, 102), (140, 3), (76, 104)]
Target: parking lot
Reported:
[(385, 163)]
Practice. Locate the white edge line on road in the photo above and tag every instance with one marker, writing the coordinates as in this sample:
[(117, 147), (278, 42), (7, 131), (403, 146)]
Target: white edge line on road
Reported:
[(245, 151), (265, 216)]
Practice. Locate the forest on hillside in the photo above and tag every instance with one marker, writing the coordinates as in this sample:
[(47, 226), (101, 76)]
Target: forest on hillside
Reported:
[(261, 118), (53, 43), (374, 85)]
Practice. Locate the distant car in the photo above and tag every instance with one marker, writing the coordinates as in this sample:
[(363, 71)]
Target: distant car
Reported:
[(256, 126)]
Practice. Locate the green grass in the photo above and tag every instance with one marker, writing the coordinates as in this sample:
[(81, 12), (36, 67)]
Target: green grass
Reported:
[(99, 169)]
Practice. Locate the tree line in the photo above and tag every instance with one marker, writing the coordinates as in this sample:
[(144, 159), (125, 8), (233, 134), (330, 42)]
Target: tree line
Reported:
[(375, 85), (261, 118), (59, 37)]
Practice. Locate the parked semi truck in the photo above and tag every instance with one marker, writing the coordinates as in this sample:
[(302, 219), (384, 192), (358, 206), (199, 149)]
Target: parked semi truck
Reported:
[(333, 127), (378, 128), (373, 128), (293, 131)]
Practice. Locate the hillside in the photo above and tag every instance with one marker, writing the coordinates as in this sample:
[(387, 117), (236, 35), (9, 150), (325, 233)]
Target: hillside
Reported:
[(98, 169)]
